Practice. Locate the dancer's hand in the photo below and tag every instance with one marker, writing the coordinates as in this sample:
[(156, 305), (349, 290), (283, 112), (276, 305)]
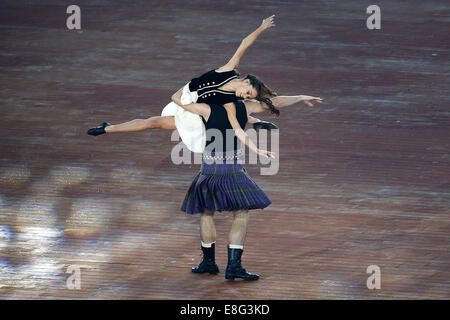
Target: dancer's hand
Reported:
[(268, 22), (308, 100), (266, 154)]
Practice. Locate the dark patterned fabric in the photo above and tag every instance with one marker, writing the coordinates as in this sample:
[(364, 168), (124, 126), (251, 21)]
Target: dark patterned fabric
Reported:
[(223, 186)]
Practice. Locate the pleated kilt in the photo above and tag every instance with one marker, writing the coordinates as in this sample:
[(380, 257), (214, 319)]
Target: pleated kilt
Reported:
[(223, 186)]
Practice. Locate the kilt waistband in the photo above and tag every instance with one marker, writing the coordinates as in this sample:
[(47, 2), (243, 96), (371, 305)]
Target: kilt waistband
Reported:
[(223, 156), (223, 163), (222, 169)]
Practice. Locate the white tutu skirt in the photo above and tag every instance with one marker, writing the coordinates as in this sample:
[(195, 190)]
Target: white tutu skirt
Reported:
[(189, 125)]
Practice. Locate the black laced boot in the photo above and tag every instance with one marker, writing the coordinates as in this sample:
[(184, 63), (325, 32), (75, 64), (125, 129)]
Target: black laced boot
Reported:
[(234, 267), (208, 263), (98, 130), (264, 125)]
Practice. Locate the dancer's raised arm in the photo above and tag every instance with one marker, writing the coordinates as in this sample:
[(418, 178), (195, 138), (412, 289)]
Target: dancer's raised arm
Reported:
[(246, 43)]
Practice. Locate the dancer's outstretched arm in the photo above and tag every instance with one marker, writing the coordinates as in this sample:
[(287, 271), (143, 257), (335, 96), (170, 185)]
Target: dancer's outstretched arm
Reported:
[(254, 106), (284, 101), (246, 43)]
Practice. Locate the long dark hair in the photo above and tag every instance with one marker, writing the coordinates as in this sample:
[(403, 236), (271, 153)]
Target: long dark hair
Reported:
[(264, 92)]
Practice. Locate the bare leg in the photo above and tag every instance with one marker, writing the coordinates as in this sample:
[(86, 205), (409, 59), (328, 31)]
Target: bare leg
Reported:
[(207, 227), (239, 228), (236, 248), (167, 123), (208, 237)]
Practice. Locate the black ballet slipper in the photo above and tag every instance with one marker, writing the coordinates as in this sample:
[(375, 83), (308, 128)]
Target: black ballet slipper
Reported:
[(98, 130), (264, 125)]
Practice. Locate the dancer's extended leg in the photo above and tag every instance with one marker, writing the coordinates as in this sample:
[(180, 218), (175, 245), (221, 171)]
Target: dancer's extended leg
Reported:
[(167, 123)]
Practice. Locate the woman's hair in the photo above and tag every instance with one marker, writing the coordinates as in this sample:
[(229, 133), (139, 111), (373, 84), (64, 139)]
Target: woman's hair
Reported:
[(264, 93)]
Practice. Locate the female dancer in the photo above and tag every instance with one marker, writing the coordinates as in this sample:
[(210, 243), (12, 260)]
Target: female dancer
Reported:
[(214, 87), (225, 185)]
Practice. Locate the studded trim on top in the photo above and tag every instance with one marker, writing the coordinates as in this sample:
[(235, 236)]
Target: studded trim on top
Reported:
[(213, 93), (214, 87), (204, 86)]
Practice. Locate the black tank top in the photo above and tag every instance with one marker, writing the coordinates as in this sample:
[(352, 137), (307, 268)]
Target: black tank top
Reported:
[(208, 84), (218, 119)]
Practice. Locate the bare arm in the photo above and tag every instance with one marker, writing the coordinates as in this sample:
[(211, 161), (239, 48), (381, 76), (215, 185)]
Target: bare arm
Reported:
[(245, 44), (252, 120), (285, 101), (176, 97), (202, 109), (241, 134), (254, 106)]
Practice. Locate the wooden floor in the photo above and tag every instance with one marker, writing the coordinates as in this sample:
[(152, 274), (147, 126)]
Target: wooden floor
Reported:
[(364, 179)]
